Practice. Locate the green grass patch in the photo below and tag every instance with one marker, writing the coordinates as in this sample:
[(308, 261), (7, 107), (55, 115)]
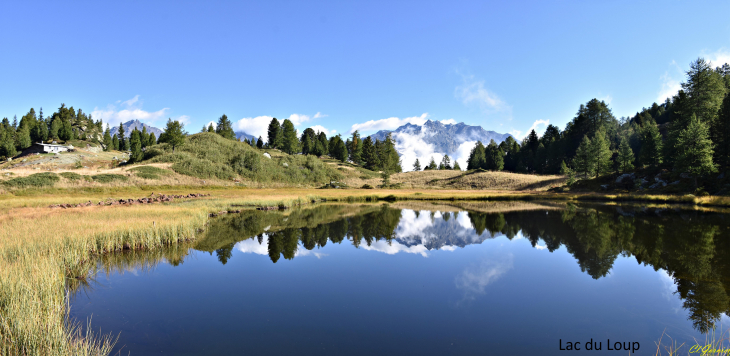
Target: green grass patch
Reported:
[(149, 172), (33, 180), (71, 176), (109, 178)]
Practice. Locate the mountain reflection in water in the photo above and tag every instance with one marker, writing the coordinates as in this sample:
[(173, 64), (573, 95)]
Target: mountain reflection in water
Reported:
[(689, 245)]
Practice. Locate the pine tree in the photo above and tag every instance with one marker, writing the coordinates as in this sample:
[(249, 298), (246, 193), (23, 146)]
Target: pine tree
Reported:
[(122, 140), (135, 143), (322, 137), (721, 134), (369, 156), (260, 143), (431, 165), (340, 151), (115, 142), (416, 165), (356, 148), (389, 159), (55, 128), (477, 158), (456, 166), (211, 128), (600, 154), (625, 156), (494, 157), (108, 140), (445, 163), (583, 162), (289, 140), (274, 133), (695, 150), (144, 137), (651, 144), (174, 134), (224, 128), (705, 90), (152, 140)]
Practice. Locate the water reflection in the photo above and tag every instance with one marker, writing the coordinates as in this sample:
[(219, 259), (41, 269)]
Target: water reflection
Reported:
[(689, 246)]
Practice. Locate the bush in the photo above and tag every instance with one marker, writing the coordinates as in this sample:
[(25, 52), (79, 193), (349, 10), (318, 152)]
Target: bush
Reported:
[(71, 176), (366, 186), (149, 172), (108, 178), (201, 168), (153, 152), (33, 180)]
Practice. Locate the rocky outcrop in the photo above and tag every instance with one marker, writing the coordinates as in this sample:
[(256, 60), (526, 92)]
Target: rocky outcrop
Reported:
[(160, 198)]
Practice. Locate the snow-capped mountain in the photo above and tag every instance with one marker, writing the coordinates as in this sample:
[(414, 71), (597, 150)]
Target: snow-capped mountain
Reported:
[(129, 126), (434, 139), (242, 135)]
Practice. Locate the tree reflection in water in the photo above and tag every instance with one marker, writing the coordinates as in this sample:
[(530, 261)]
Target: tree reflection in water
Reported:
[(689, 245)]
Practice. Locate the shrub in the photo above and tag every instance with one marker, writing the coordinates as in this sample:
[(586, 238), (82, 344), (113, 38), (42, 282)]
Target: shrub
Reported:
[(149, 172), (33, 180), (71, 176), (367, 186), (201, 168), (152, 152), (108, 178)]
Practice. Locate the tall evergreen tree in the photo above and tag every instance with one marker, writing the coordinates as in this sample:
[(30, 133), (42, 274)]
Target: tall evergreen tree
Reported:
[(174, 134), (705, 90), (445, 163), (325, 144), (721, 133), (651, 144), (274, 133), (115, 142), (23, 138), (123, 144), (369, 156), (477, 158), (494, 157), (356, 148), (135, 146), (152, 140), (625, 156), (260, 143), (431, 165), (55, 128), (583, 162), (289, 139), (456, 166), (695, 150), (224, 128), (416, 166), (340, 150), (600, 154), (211, 128), (108, 145)]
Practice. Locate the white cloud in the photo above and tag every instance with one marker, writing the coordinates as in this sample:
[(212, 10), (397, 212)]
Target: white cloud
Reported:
[(128, 110), (390, 123), (718, 58), (394, 247), (318, 115), (448, 122), (256, 126), (259, 125), (535, 126), (608, 99), (320, 128), (516, 133), (474, 279), (473, 92), (671, 82)]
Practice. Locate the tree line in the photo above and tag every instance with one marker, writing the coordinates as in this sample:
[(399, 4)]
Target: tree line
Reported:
[(689, 133)]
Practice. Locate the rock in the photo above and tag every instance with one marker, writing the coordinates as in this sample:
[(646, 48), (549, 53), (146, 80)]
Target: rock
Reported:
[(624, 176), (285, 164), (267, 155)]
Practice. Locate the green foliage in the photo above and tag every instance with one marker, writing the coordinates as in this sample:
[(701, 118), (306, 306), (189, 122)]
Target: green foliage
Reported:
[(694, 149), (416, 165), (71, 176), (108, 144), (206, 155), (494, 157), (431, 165), (109, 178), (149, 172), (224, 128), (600, 154), (174, 134), (477, 158), (651, 144), (289, 140), (583, 160), (36, 180), (456, 166), (135, 143), (625, 156), (274, 134), (721, 134)]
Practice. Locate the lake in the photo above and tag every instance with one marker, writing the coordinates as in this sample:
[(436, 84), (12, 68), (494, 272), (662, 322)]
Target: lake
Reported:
[(415, 278)]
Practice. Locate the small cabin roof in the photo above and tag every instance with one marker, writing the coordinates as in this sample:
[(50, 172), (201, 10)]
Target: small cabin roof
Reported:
[(51, 144)]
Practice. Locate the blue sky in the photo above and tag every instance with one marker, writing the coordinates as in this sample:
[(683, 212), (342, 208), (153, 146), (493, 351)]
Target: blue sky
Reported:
[(339, 65)]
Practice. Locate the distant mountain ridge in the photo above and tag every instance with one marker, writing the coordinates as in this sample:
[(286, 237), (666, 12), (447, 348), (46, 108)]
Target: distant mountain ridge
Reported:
[(240, 135), (129, 126), (445, 138)]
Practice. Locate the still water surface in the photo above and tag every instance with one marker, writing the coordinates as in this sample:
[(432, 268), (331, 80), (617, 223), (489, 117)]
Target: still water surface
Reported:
[(420, 279)]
